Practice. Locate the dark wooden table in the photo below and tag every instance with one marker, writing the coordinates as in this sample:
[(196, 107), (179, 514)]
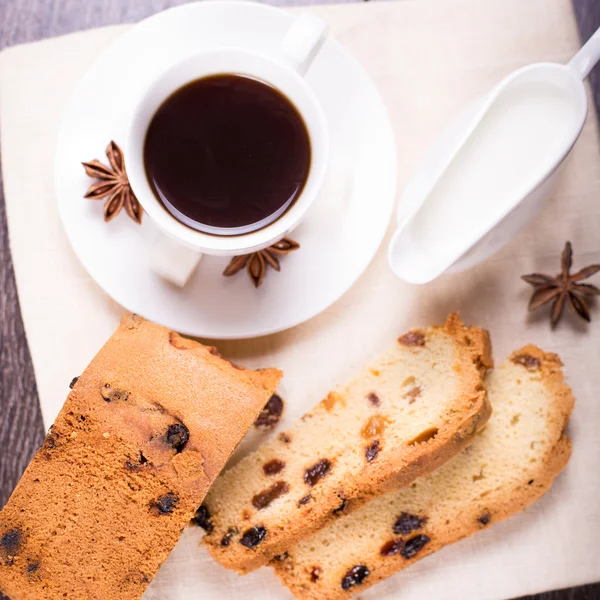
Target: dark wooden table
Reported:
[(21, 428)]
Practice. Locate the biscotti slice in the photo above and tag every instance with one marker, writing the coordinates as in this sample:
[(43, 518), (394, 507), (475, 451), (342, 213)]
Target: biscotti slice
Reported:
[(144, 432), (510, 464), (408, 412)]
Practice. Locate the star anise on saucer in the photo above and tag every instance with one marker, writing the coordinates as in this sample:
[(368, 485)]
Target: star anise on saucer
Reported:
[(256, 263), (113, 185), (563, 288)]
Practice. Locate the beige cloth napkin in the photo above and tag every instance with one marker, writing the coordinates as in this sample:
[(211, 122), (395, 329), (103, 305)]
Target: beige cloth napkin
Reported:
[(428, 58)]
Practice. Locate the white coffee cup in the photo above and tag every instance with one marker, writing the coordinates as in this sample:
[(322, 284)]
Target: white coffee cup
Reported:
[(174, 249)]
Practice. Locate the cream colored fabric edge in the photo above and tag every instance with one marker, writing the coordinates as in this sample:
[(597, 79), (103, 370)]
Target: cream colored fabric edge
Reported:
[(428, 58)]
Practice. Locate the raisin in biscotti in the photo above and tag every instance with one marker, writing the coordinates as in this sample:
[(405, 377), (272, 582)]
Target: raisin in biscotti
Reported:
[(511, 463), (408, 412), (145, 431)]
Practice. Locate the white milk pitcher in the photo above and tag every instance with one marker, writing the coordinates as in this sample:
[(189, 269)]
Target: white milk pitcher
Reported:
[(492, 169)]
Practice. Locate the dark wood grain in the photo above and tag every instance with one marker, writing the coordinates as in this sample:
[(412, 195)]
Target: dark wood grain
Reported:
[(584, 592), (587, 13), (21, 428)]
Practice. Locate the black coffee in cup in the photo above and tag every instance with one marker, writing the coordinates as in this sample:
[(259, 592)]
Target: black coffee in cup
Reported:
[(227, 154)]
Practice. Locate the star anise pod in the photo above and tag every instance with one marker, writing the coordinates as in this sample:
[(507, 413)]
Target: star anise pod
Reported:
[(563, 288), (113, 185), (257, 262)]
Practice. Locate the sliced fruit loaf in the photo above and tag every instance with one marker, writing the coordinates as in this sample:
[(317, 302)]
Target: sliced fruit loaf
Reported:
[(404, 415), (144, 432), (510, 464)]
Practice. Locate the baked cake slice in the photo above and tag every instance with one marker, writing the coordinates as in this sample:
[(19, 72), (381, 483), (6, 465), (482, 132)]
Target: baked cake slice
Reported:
[(509, 465), (404, 415), (143, 434)]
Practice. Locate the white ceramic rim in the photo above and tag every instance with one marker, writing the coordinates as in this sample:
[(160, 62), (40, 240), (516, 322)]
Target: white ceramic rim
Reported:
[(242, 62), (372, 165)]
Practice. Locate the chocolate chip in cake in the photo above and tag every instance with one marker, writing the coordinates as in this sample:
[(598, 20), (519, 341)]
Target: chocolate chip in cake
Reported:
[(269, 416), (132, 465), (529, 362), (253, 536), (315, 473), (32, 565), (11, 541), (315, 574), (177, 436), (413, 545), (412, 338), (284, 437), (281, 557), (485, 518), (304, 500), (355, 576), (32, 568), (166, 504), (530, 482), (111, 394), (202, 518), (372, 450), (273, 467), (73, 382), (412, 394), (341, 506), (50, 441), (264, 498), (391, 548), (226, 539), (406, 523), (374, 399)]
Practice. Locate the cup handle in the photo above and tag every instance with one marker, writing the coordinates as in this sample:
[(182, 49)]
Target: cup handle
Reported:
[(168, 258), (303, 41)]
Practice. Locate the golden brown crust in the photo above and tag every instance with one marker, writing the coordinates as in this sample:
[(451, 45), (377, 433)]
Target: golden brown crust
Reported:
[(399, 467), (512, 499), (142, 435), (551, 372)]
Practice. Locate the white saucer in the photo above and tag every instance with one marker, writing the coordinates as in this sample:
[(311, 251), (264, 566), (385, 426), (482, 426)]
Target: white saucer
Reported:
[(338, 238)]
